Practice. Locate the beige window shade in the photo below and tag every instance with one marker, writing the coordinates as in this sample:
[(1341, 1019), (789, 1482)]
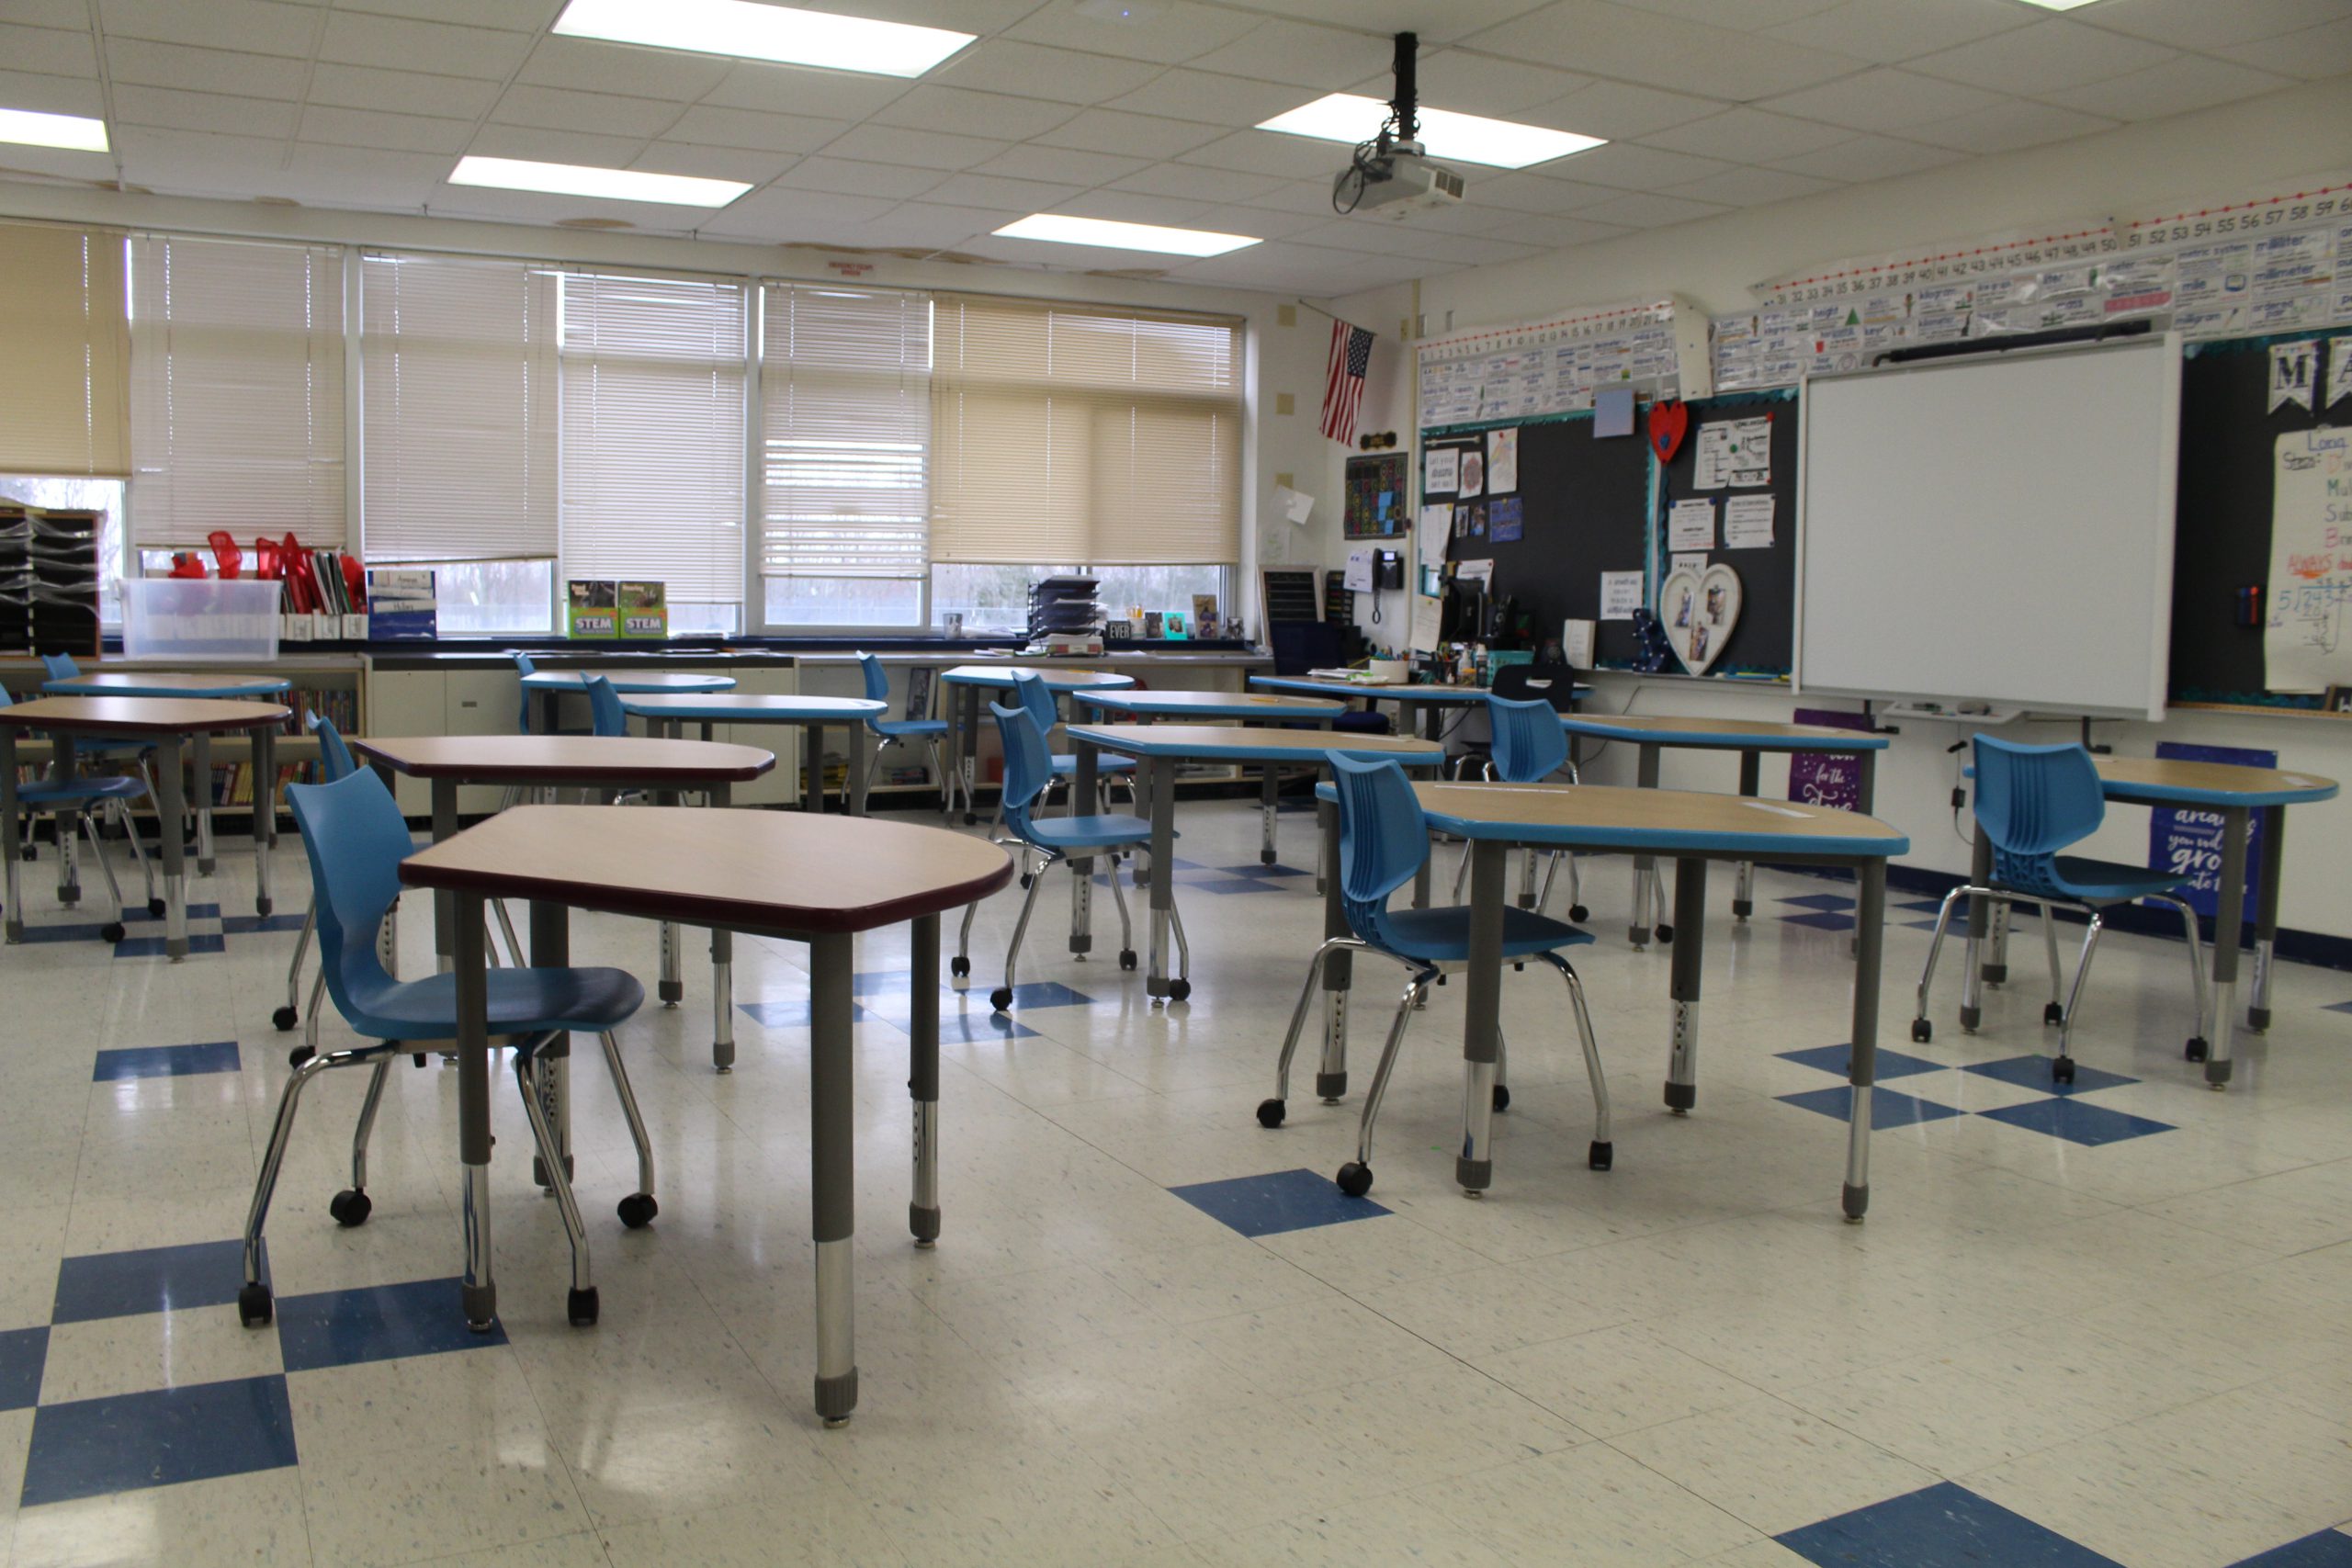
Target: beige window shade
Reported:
[(459, 422), (845, 417), (64, 401), (1069, 433), (236, 408), (654, 428)]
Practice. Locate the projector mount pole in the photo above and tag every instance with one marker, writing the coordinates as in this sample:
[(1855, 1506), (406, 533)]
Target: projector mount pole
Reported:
[(1406, 106)]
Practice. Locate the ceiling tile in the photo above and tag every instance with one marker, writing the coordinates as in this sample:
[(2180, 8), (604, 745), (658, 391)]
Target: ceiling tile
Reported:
[(1745, 135), (2179, 86), (1035, 70), (1169, 33), (74, 14), (917, 149), (1630, 166), (2203, 25), (515, 16), (1435, 23), (60, 164), (195, 161), (587, 66), (1557, 232), (2313, 55), (1132, 207), (252, 26), (1472, 250), (555, 146), (1636, 46), (1299, 54), (534, 207), (608, 114), (961, 113), (51, 95), (929, 223), (176, 111), (845, 176), (1065, 165), (794, 216), (393, 132), (1889, 31), (1620, 111), (205, 70), (401, 92), (1213, 99), (1129, 135), (1471, 83), (1366, 233), (788, 89), (1309, 198), (1527, 192), (1647, 209), (1271, 152), (54, 51), (1884, 99), (742, 127), (1867, 158), (2047, 57), (1752, 15), (1266, 222), (393, 43), (969, 189), (2010, 127), (360, 177), (1751, 187), (1194, 182)]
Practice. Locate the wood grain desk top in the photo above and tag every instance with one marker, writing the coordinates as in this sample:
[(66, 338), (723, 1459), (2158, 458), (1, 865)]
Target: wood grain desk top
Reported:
[(566, 759), (142, 716), (750, 707), (1664, 821), (1055, 677), (165, 683), (1424, 694), (627, 680), (1222, 704), (2171, 780), (761, 871), (1728, 734), (1249, 743)]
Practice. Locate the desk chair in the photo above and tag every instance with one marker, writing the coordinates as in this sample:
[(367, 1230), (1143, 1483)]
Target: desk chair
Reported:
[(355, 838), (70, 803), (1383, 839), (61, 666), (890, 732), (1552, 684), (1026, 770), (1528, 747), (524, 665), (1038, 698), (335, 763), (2034, 801)]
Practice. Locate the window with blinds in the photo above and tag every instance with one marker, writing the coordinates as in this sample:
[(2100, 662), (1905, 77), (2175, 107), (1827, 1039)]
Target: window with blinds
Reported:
[(62, 400), (459, 425), (653, 372), (845, 442), (1084, 433), (236, 404)]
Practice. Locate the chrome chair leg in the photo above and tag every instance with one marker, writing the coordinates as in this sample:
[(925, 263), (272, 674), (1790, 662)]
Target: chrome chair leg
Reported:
[(1184, 948), (581, 1305), (1003, 999), (2062, 1068), (310, 1011), (639, 1208), (1271, 1111), (1602, 1154), (2056, 1012), (959, 972), (1461, 871), (1923, 1031), (1355, 1177), (105, 866), (364, 1129), (1126, 927), (290, 1014), (138, 853), (254, 1307), (506, 929), (874, 763), (2198, 1047)]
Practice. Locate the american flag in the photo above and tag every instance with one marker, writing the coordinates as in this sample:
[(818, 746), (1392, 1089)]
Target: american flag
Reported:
[(1343, 380)]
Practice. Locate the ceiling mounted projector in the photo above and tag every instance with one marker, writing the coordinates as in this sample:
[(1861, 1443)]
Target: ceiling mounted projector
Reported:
[(1391, 173)]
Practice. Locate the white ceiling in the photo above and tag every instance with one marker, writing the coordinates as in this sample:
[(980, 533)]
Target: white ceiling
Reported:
[(1709, 105)]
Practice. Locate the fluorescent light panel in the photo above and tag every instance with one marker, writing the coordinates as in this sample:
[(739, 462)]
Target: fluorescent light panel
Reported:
[(2058, 5), (33, 128), (1067, 231), (765, 32), (1504, 144), (582, 179)]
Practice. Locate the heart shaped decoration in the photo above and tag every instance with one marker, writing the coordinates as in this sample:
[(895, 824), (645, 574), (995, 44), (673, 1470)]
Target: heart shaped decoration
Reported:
[(1669, 423), (1699, 610)]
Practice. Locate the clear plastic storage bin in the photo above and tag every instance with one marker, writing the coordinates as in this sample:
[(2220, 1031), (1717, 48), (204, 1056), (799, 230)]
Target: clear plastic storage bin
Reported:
[(197, 620)]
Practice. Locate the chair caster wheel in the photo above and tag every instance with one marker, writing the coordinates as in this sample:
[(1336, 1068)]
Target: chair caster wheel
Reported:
[(1922, 1032), (1000, 999), (970, 818), (636, 1209), (299, 1054), (1025, 880), (2062, 1070), (2196, 1050), (253, 1306), (1126, 958), (155, 908), (1579, 914), (1356, 1180), (111, 932), (1271, 1112), (1665, 933), (285, 1017), (417, 1057), (1502, 1098), (350, 1208), (579, 1306), (1602, 1156), (1179, 988), (2052, 1013)]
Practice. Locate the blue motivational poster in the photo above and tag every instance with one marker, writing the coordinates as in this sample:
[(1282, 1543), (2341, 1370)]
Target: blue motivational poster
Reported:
[(2188, 843), (1505, 522)]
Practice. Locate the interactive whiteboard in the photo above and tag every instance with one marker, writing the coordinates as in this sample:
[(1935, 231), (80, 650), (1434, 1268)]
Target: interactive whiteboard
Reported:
[(1995, 530)]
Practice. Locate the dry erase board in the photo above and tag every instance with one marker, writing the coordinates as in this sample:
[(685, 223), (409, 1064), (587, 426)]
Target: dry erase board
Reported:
[(1753, 507)]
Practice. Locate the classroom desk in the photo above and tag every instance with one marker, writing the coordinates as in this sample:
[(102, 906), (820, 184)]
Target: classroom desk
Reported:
[(1424, 703), (551, 685), (1751, 738), (664, 713), (1247, 707), (581, 761), (163, 683), (169, 724), (2236, 793), (763, 873), (1690, 829), (963, 714), (1157, 748)]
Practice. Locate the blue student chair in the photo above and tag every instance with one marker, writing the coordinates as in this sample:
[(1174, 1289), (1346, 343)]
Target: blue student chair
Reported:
[(61, 666), (909, 727), (2034, 801), (1383, 839), (1528, 747), (524, 665), (1027, 769), (72, 803), (1038, 698), (356, 839), (335, 763)]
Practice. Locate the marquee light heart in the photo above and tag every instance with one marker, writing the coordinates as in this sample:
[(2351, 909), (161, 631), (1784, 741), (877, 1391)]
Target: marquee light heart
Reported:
[(1699, 610), (1669, 423)]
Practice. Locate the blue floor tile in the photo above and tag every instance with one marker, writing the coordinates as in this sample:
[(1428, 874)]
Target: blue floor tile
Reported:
[(1943, 1526), (2338, 1006), (1280, 1200), (1232, 884), (246, 925), (23, 1353), (1838, 1060), (2078, 1121), (153, 1279), (961, 1021), (1035, 993), (1889, 1107), (2033, 1072), (2328, 1549), (166, 1061), (783, 1013), (1821, 920), (63, 933), (153, 946), (128, 1442), (1822, 901), (1262, 871), (341, 1328)]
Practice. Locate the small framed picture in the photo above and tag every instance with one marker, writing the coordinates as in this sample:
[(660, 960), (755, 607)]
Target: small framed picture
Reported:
[(1151, 626), (2339, 699), (1205, 615), (1118, 629)]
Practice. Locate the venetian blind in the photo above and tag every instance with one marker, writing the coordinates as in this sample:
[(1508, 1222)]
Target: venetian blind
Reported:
[(62, 402), (236, 404), (1072, 433)]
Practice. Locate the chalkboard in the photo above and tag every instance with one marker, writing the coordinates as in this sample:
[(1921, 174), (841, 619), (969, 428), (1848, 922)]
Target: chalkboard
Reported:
[(1762, 641)]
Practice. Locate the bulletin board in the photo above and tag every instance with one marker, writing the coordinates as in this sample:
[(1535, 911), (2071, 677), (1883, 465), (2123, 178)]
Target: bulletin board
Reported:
[(1761, 641), (1378, 501)]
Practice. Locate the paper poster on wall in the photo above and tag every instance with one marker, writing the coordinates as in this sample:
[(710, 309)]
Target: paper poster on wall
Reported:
[(1505, 522), (1435, 532), (1747, 522), (1296, 506), (2304, 646), (1440, 471), (1734, 453), (2339, 369), (1613, 411), (1470, 474), (1833, 779), (1689, 560), (1427, 618), (1576, 639), (1502, 461), (1690, 525), (1621, 594), (2293, 368)]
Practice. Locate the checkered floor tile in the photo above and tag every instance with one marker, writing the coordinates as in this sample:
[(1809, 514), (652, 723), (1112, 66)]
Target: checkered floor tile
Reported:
[(1939, 1526), (166, 1061), (2060, 1112), (1278, 1201)]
